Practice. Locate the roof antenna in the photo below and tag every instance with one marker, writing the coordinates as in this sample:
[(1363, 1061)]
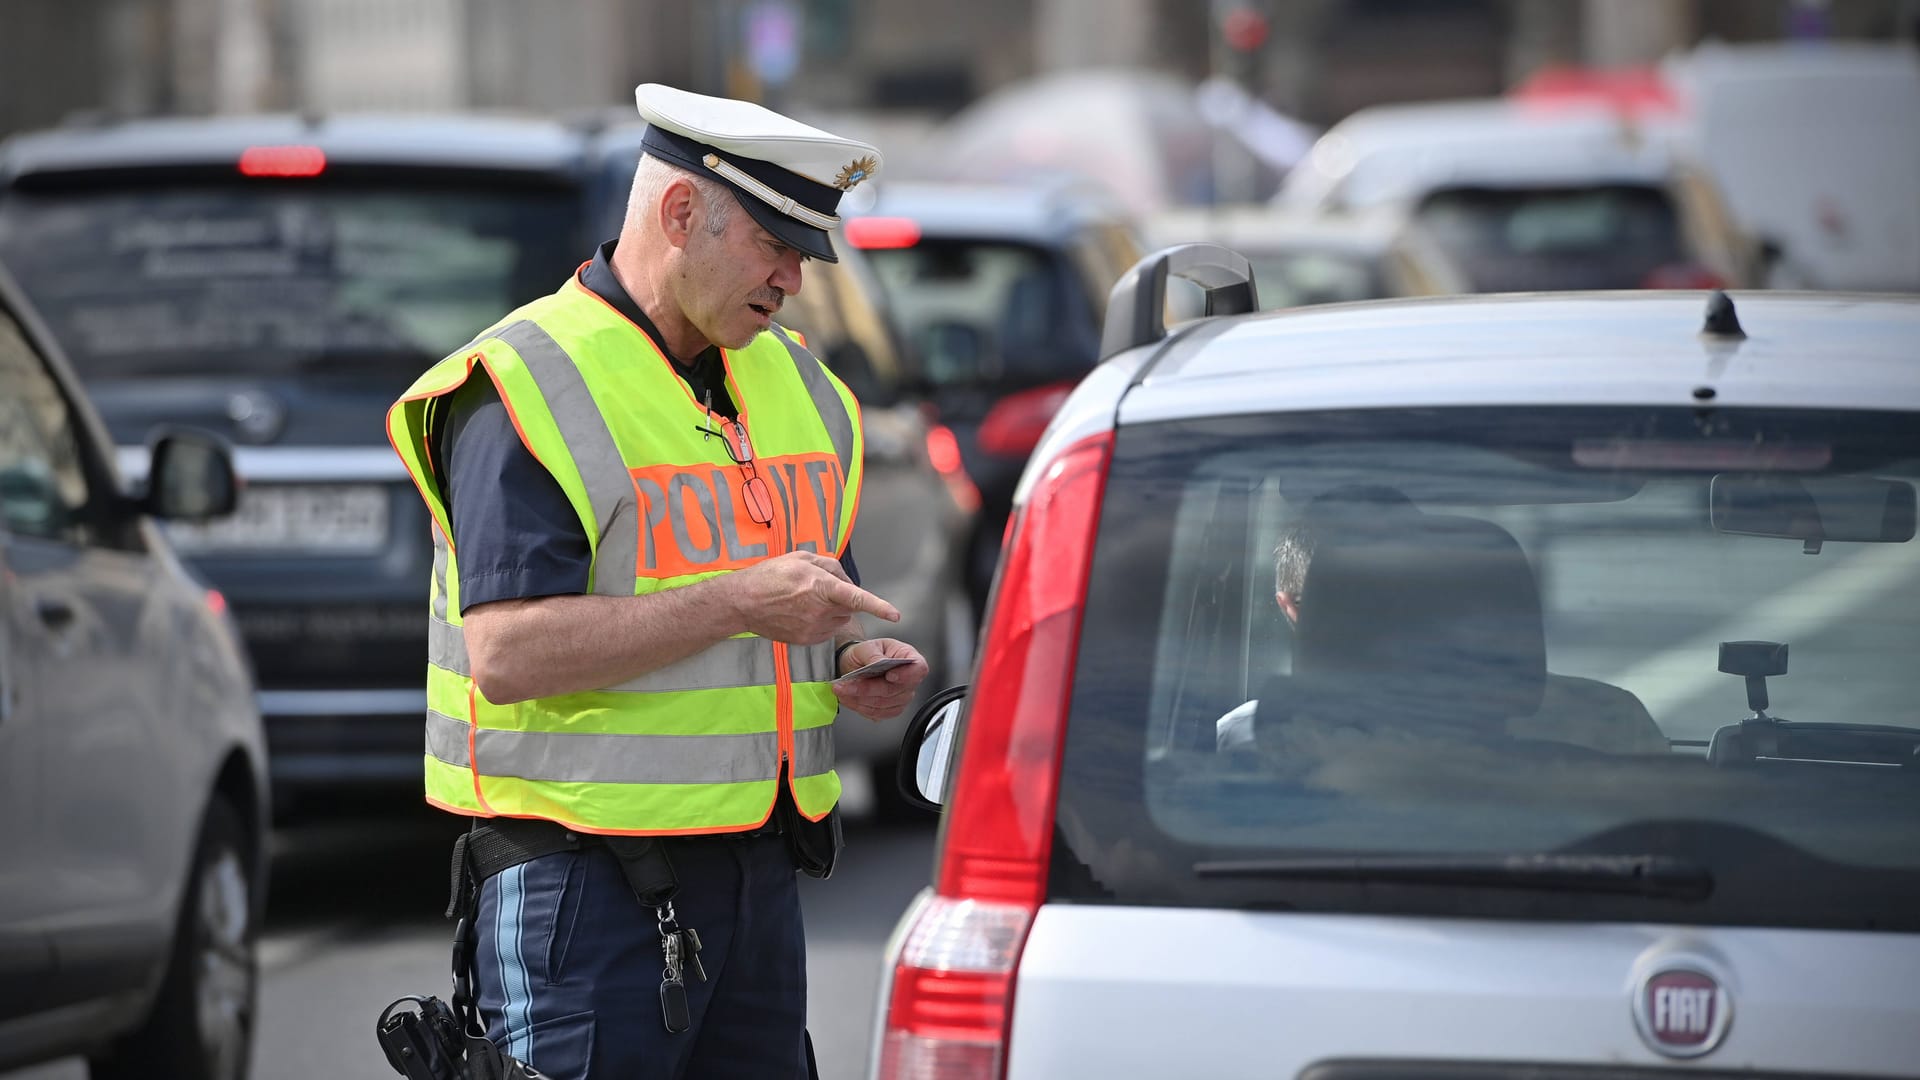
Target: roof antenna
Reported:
[(1722, 321)]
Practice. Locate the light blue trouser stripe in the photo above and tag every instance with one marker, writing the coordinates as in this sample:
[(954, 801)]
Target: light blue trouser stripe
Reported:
[(518, 1005)]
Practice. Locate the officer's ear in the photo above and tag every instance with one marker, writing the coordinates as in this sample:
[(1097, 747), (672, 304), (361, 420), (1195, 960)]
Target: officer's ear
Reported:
[(676, 211)]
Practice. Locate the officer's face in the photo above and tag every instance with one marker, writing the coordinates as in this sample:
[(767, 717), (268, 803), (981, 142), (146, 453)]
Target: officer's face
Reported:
[(736, 282)]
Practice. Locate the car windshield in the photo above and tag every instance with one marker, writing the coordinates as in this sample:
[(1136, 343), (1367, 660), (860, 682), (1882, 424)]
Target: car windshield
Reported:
[(1612, 237), (286, 277), (989, 313), (1503, 634)]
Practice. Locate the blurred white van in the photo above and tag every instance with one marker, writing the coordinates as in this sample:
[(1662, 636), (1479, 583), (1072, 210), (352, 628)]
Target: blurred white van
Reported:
[(1817, 148)]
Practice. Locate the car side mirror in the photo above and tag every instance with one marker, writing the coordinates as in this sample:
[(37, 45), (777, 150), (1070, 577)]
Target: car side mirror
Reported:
[(926, 752), (190, 477)]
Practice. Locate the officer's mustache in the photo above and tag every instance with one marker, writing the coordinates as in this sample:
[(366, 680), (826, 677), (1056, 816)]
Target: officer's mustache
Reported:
[(769, 298)]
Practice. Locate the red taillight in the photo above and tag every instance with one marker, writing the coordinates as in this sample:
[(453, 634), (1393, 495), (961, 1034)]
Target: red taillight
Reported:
[(216, 602), (1014, 425), (1682, 276), (943, 451), (882, 232), (949, 1012), (282, 161)]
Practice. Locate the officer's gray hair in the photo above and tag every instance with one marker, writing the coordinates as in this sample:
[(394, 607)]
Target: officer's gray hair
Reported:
[(650, 182)]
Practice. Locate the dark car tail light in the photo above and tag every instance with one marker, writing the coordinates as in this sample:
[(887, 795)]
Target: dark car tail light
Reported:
[(943, 451), (950, 1011), (1682, 276), (872, 233), (1014, 425), (282, 161)]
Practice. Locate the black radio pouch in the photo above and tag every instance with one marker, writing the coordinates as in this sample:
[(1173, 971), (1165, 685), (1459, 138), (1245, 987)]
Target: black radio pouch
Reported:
[(423, 1040), (813, 845)]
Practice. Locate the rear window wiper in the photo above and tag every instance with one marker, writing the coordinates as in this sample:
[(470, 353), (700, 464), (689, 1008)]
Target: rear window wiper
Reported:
[(1640, 875)]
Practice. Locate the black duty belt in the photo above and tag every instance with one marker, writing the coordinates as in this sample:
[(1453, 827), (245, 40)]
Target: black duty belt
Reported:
[(495, 844)]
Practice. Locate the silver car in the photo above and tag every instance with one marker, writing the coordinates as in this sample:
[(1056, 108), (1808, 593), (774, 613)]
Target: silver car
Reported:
[(1475, 688), (132, 766)]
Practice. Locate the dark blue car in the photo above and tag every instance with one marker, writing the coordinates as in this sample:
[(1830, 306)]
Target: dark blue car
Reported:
[(280, 281)]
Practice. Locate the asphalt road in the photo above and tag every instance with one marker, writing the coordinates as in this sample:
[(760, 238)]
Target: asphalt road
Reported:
[(354, 922)]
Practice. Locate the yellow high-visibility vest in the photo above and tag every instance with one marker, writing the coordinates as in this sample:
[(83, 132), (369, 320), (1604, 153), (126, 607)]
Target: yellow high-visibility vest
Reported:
[(696, 746)]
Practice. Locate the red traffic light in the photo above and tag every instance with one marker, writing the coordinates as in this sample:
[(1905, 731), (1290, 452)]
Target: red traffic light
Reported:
[(1244, 29)]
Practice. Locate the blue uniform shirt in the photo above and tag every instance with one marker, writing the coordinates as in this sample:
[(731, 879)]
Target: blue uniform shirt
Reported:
[(518, 537)]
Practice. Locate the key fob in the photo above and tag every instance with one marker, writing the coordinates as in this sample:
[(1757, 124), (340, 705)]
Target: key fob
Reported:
[(690, 948), (673, 1006)]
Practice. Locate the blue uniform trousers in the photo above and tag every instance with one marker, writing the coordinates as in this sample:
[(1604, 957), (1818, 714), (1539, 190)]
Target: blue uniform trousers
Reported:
[(568, 966)]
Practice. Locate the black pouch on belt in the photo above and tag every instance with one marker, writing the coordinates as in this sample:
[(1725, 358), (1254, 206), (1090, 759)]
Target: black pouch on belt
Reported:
[(814, 845)]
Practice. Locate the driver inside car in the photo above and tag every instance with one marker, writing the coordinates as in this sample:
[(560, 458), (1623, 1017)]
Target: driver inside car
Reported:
[(1467, 574)]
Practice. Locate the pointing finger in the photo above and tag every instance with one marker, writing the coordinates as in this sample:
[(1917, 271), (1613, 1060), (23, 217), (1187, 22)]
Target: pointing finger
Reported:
[(855, 598)]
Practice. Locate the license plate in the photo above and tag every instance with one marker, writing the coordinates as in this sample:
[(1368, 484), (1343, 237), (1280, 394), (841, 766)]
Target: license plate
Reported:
[(314, 518)]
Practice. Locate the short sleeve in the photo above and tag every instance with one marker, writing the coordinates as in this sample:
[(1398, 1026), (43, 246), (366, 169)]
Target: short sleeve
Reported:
[(515, 534)]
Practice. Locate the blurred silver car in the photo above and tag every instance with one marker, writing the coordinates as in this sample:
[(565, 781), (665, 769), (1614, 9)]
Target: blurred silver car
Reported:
[(1301, 259), (1526, 196), (133, 782)]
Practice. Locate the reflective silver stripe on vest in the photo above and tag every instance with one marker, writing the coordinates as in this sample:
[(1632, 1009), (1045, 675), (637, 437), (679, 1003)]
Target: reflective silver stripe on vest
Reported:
[(603, 471), (826, 401), (447, 647), (439, 575), (731, 663), (627, 759), (813, 751)]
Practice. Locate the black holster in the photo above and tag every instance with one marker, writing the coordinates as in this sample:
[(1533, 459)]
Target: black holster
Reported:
[(426, 1038), (424, 1041)]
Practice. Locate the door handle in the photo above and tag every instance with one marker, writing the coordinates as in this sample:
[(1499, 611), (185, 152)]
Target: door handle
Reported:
[(56, 614)]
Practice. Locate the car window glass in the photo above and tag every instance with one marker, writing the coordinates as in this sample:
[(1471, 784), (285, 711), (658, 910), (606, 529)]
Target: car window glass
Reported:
[(43, 484), (1500, 643), (281, 277), (1574, 238), (987, 311)]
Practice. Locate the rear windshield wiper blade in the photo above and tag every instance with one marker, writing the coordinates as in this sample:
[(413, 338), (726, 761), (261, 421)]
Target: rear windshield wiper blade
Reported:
[(1640, 875)]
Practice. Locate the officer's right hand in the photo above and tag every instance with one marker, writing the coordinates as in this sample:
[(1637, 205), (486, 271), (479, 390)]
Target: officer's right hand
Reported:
[(802, 599)]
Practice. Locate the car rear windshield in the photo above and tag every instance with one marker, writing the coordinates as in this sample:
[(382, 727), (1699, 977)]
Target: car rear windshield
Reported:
[(281, 277), (1612, 237), (989, 313), (1625, 663)]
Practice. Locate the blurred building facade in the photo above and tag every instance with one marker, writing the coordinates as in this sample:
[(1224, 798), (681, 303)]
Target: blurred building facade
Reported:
[(1316, 59)]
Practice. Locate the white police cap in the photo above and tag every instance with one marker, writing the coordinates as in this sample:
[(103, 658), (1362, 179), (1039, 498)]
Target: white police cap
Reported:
[(787, 174)]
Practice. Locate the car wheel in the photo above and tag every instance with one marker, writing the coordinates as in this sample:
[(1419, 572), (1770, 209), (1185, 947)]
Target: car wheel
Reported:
[(202, 1021)]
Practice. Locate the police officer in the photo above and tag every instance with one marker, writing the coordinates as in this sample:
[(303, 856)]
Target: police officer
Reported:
[(641, 489)]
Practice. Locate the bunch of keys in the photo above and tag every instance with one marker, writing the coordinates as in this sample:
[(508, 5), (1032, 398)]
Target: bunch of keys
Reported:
[(680, 949)]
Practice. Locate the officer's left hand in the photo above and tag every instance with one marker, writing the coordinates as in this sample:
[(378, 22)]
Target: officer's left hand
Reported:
[(886, 695)]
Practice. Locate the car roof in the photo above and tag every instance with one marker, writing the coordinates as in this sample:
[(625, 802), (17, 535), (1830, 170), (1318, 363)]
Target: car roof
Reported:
[(1260, 229), (1816, 350), (1398, 152), (1015, 211), (498, 143)]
